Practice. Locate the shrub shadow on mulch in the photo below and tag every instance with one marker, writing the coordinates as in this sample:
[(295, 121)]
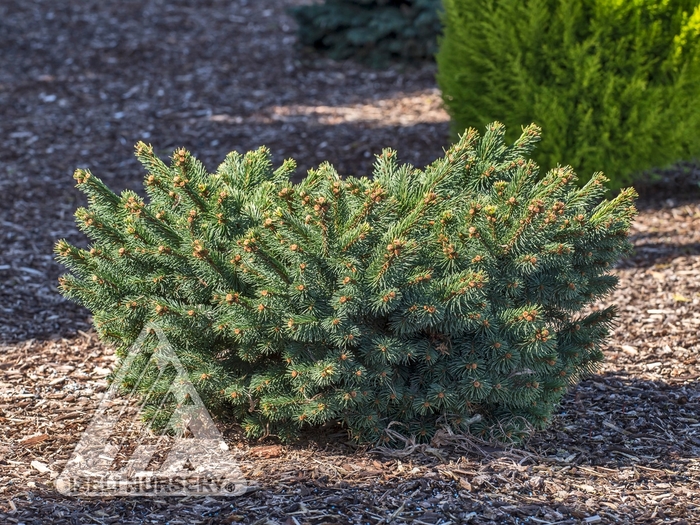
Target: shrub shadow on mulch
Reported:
[(616, 438)]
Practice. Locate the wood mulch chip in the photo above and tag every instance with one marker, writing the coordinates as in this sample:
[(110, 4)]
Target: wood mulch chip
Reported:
[(82, 81)]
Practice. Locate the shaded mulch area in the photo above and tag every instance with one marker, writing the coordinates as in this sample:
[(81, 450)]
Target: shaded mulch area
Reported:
[(82, 81)]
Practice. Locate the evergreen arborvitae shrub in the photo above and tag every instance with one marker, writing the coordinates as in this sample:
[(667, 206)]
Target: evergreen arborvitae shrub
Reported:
[(448, 295), (613, 83), (373, 31)]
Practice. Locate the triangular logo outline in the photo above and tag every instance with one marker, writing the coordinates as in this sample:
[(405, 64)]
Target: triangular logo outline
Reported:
[(199, 464)]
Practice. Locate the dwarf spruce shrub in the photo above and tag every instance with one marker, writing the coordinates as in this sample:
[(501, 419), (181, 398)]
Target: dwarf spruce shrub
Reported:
[(613, 83), (449, 295), (372, 31)]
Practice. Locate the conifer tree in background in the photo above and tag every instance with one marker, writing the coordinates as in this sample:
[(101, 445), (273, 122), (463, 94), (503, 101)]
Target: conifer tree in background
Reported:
[(613, 83), (449, 295), (372, 31)]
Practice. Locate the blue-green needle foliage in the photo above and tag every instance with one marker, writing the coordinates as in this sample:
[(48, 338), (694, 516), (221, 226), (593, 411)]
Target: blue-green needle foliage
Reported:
[(449, 295), (372, 31), (614, 83)]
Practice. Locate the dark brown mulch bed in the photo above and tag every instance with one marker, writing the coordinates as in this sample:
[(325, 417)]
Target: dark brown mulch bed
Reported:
[(81, 81)]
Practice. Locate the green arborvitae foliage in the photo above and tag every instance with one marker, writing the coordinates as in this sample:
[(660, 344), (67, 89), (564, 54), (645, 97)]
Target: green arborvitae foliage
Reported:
[(614, 83), (372, 31), (448, 295)]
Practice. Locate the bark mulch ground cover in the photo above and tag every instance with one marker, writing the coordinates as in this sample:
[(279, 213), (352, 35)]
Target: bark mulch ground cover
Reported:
[(82, 81)]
